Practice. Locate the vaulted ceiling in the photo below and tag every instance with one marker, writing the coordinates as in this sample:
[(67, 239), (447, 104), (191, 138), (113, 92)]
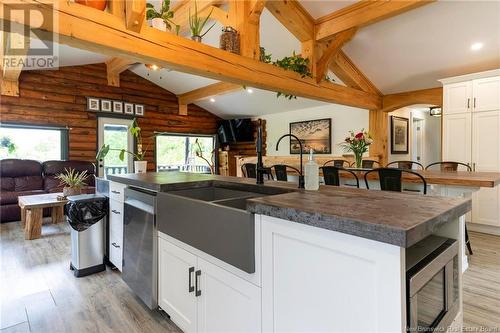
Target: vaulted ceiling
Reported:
[(407, 52)]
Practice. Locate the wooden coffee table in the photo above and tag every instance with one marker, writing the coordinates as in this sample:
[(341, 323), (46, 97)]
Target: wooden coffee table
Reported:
[(32, 212)]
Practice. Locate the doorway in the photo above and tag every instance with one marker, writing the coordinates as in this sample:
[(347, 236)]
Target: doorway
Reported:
[(115, 133), (418, 141)]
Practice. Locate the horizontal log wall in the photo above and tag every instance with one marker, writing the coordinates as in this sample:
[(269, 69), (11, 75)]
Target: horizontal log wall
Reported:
[(58, 98)]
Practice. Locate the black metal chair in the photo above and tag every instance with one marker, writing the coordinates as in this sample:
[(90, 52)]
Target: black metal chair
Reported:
[(390, 179), (250, 171), (448, 166), (367, 164), (338, 163), (280, 171), (406, 165), (331, 175)]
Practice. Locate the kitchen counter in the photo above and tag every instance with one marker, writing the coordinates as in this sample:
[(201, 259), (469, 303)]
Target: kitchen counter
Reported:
[(394, 218)]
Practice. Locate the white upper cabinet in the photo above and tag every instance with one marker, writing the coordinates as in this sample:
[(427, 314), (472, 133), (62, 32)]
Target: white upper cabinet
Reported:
[(457, 97), (486, 94)]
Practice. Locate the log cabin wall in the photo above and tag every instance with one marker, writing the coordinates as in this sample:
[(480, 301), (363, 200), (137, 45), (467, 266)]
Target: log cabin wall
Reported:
[(58, 98)]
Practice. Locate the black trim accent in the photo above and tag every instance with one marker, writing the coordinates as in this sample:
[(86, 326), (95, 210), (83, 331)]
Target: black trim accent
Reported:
[(191, 287), (87, 271), (197, 275)]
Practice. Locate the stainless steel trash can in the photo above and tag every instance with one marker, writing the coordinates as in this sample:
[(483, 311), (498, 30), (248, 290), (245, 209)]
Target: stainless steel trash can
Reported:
[(85, 215)]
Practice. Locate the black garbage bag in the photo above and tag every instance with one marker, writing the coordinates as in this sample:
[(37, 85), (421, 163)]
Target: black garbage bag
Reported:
[(85, 210)]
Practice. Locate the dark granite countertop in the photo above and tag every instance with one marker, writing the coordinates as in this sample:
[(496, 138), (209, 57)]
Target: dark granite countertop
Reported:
[(396, 218)]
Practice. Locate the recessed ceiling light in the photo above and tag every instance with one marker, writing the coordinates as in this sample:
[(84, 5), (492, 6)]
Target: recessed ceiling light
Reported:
[(212, 100), (250, 91), (153, 67), (476, 46)]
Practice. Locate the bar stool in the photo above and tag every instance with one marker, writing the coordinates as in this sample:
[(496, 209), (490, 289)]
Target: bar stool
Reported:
[(280, 171), (367, 164), (338, 163), (407, 165), (390, 179), (332, 177)]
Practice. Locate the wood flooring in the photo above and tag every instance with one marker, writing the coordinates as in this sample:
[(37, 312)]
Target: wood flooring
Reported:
[(38, 292)]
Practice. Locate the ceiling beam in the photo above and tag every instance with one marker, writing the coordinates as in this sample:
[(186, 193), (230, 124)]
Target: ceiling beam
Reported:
[(342, 66), (135, 14), (14, 51), (114, 67), (294, 17), (330, 50), (361, 14), (90, 29), (433, 96), (199, 94)]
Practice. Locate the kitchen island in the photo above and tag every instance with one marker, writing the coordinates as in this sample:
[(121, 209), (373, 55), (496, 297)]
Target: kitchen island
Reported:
[(331, 260)]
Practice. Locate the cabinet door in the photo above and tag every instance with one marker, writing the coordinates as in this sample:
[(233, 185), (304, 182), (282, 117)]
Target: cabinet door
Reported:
[(227, 303), (486, 157), (176, 269), (116, 233), (457, 97), (457, 137), (486, 94)]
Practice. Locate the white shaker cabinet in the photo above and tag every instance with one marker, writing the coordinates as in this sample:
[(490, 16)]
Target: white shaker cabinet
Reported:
[(115, 218), (457, 144), (486, 94), (202, 297), (457, 97)]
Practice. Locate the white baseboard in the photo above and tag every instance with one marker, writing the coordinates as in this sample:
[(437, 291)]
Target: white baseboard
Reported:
[(485, 229)]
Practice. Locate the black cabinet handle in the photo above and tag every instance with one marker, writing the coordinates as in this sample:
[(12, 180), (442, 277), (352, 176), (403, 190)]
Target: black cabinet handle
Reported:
[(115, 192), (191, 287), (114, 244), (474, 102), (115, 211), (468, 103), (198, 291)]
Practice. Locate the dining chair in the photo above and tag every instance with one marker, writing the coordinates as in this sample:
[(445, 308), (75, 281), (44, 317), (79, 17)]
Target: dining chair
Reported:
[(448, 166), (249, 170), (406, 165), (367, 164), (338, 163), (280, 171), (391, 179), (331, 175)]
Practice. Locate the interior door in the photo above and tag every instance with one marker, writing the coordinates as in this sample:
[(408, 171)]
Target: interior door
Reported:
[(486, 94), (115, 133), (418, 133)]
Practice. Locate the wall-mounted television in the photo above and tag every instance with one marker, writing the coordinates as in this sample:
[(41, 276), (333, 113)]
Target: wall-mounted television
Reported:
[(236, 130)]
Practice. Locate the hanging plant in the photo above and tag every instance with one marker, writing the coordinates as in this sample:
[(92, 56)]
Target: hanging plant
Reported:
[(165, 14), (294, 63), (263, 56)]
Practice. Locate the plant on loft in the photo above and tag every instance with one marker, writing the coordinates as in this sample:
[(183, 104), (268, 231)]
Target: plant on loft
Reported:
[(294, 63), (140, 165), (197, 24), (161, 20)]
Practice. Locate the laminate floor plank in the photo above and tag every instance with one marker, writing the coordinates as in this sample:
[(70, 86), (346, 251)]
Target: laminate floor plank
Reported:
[(38, 292)]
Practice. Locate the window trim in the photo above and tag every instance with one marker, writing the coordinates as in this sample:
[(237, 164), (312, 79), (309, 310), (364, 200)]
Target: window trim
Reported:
[(64, 131), (213, 136)]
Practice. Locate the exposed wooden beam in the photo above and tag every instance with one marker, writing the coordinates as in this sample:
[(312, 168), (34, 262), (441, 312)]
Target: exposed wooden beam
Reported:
[(361, 14), (378, 128), (256, 8), (135, 14), (14, 49), (351, 75), (117, 8), (212, 90), (294, 17), (433, 96), (114, 67), (331, 49), (245, 18), (90, 29)]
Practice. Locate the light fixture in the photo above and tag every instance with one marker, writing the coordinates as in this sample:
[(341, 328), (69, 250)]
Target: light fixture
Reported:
[(435, 111), (212, 100), (152, 67), (476, 46), (250, 90)]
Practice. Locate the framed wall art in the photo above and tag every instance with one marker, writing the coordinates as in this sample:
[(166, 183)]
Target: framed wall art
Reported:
[(93, 104), (315, 134), (399, 135)]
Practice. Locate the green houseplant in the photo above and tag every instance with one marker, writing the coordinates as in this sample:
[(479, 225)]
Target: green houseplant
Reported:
[(197, 24), (140, 164), (294, 63), (358, 144), (161, 20), (73, 181)]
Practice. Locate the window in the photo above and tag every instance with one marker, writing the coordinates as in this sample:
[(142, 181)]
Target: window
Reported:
[(178, 152), (33, 142)]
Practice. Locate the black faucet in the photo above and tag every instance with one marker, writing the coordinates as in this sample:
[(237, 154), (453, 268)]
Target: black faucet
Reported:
[(260, 170), (301, 173)]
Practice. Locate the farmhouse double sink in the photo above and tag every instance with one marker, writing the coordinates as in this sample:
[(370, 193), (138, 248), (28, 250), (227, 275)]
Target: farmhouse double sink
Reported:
[(213, 219)]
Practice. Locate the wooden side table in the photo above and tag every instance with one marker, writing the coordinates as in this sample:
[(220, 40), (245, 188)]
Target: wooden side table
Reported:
[(32, 212)]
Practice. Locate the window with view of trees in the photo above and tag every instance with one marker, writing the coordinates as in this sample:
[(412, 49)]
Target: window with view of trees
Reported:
[(179, 153), (32, 142)]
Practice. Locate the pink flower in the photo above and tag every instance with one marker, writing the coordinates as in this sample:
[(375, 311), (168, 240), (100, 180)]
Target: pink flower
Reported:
[(359, 135)]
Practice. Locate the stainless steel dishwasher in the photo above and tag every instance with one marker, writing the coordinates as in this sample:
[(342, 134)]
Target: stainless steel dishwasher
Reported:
[(140, 245)]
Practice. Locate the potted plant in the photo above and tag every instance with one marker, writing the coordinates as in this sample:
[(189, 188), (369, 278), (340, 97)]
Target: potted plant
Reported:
[(161, 20), (357, 143), (140, 164), (73, 181), (196, 24)]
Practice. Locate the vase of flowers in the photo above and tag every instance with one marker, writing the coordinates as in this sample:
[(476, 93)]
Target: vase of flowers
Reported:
[(73, 181), (358, 144)]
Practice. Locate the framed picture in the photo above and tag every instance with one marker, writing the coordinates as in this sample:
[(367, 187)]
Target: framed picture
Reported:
[(128, 108), (399, 135), (106, 105), (93, 104), (315, 134), (118, 106), (139, 110)]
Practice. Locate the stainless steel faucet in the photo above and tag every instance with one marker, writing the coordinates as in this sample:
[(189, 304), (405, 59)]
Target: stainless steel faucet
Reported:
[(301, 173)]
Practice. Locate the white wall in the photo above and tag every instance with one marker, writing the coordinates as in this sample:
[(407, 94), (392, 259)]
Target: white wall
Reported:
[(344, 119), (431, 136)]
